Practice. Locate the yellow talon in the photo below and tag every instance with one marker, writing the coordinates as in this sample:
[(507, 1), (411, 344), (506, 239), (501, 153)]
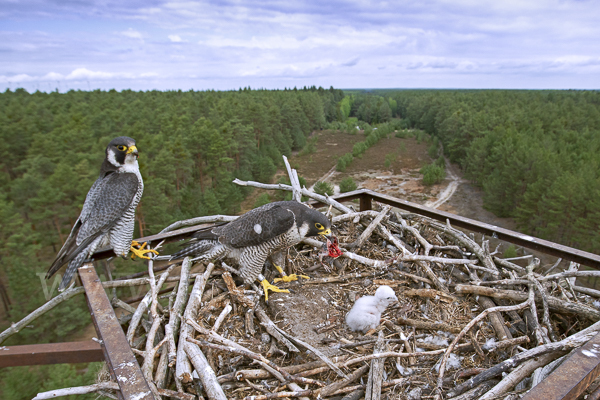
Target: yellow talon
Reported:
[(267, 286), (287, 278), (141, 252), (290, 278)]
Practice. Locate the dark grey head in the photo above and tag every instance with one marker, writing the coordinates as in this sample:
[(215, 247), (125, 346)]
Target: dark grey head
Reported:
[(317, 222), (121, 155), (121, 151)]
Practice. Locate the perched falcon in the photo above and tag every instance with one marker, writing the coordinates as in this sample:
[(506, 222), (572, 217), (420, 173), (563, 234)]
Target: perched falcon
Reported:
[(108, 213), (256, 235)]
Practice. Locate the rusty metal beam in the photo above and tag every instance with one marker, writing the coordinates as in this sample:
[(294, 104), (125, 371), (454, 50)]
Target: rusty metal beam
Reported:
[(572, 377), (122, 364), (50, 353)]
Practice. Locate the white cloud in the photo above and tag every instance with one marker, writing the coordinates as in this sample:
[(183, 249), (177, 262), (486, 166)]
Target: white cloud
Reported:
[(84, 74), (132, 33), (17, 78), (52, 76), (175, 38), (78, 74)]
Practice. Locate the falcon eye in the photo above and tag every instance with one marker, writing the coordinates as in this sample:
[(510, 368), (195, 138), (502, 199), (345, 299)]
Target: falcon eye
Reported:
[(122, 148), (319, 226)]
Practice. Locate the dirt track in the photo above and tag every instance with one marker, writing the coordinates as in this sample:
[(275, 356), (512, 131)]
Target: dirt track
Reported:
[(401, 179)]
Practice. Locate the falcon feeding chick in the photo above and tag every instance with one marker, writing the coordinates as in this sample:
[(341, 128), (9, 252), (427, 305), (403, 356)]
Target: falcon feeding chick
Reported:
[(256, 235), (108, 213), (366, 312)]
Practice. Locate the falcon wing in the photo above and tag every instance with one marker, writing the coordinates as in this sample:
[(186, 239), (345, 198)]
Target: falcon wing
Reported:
[(90, 198), (71, 243), (256, 226), (106, 202), (113, 199)]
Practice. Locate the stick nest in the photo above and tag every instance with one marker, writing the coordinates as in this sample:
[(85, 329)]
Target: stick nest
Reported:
[(431, 312)]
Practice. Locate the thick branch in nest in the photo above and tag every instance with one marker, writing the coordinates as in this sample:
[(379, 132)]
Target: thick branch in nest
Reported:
[(496, 319), (296, 189), (431, 294), (262, 374), (102, 386), (518, 374), (207, 375), (172, 328), (373, 391), (554, 303)]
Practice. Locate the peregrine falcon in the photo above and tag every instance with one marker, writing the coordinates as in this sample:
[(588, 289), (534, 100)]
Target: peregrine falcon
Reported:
[(256, 235), (108, 213)]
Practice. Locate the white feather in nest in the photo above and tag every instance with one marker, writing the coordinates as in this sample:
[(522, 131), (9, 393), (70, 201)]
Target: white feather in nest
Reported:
[(366, 312)]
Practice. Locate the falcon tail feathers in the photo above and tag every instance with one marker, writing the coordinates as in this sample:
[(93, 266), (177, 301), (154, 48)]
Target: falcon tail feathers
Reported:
[(69, 251), (195, 249), (71, 269), (66, 250)]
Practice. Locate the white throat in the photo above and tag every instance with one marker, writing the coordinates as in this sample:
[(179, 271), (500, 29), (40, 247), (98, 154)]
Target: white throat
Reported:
[(131, 163)]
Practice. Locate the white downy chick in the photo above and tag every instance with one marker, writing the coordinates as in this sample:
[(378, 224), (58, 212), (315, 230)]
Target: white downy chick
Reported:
[(366, 312)]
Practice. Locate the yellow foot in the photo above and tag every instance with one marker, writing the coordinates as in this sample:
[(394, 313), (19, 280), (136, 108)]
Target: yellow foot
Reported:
[(267, 286), (290, 278), (141, 252), (287, 278)]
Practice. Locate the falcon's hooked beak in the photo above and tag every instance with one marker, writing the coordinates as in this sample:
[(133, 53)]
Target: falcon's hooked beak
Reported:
[(132, 149), (326, 233)]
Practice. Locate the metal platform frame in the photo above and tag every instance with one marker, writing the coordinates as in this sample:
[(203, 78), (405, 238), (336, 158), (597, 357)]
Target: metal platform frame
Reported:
[(566, 383)]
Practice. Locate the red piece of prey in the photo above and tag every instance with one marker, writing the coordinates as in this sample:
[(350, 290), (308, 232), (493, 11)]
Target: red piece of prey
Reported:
[(333, 249)]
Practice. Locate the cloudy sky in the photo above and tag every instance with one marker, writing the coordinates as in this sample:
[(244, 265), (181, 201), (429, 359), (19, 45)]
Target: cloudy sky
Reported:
[(222, 45)]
